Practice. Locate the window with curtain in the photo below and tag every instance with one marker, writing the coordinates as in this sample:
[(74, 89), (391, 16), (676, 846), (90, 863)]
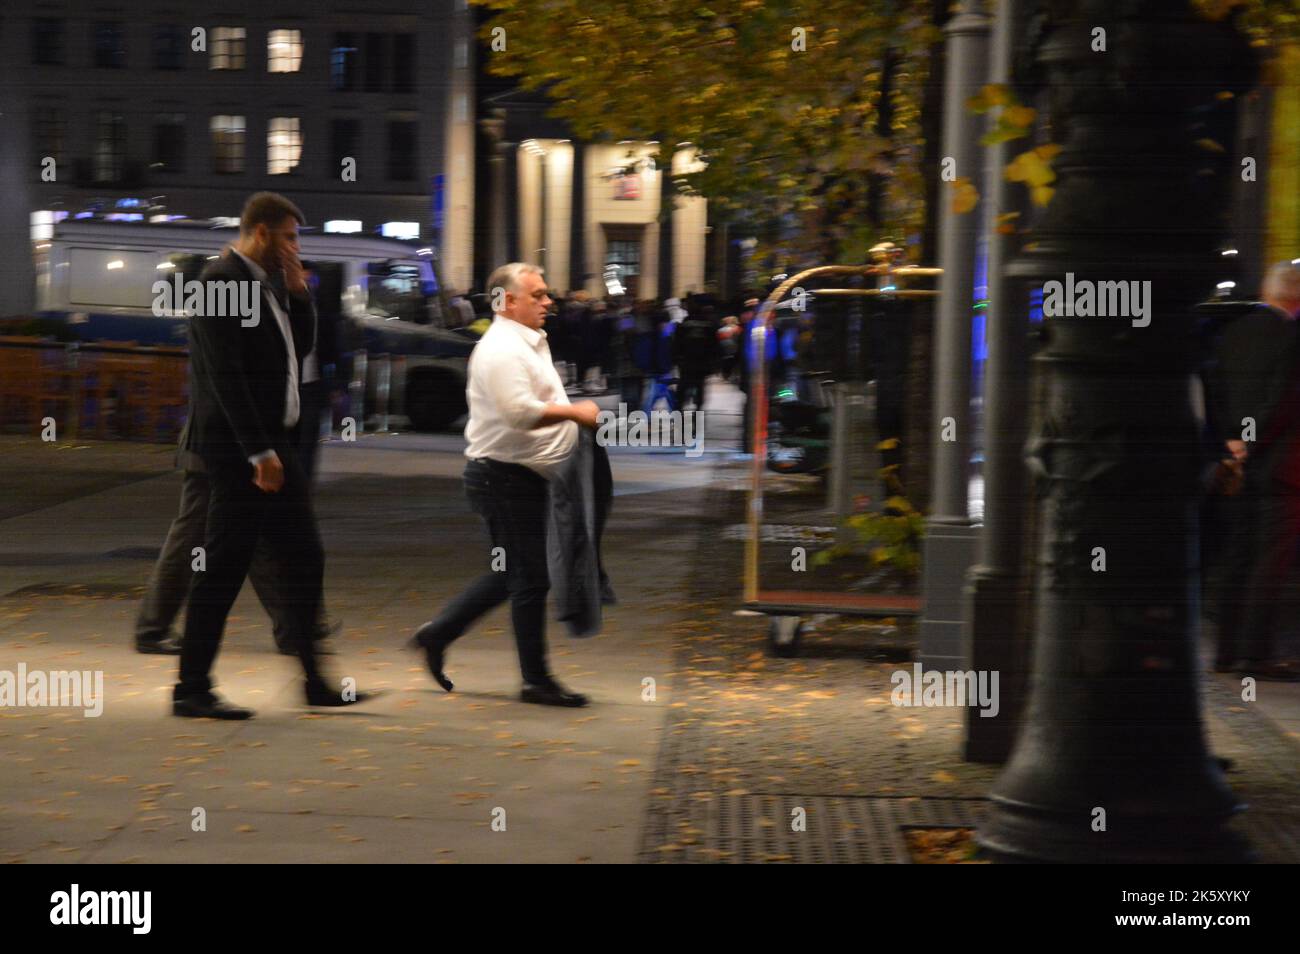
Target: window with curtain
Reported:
[(227, 144), (283, 145), (226, 50), (284, 51)]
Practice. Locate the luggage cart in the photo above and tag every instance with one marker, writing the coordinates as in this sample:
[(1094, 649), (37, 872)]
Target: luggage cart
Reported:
[(788, 609)]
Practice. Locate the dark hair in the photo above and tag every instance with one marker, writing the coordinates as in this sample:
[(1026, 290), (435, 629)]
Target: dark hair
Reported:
[(269, 209)]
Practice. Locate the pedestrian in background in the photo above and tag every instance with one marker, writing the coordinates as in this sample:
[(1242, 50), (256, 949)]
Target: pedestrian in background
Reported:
[(728, 346), (695, 352), (1258, 381)]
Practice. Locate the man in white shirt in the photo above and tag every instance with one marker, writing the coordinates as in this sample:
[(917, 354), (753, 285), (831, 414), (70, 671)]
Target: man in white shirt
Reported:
[(521, 428)]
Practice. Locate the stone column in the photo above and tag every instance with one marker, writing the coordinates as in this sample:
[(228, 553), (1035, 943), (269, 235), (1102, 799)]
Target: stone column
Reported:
[(19, 167), (578, 221), (499, 155), (667, 190), (510, 150)]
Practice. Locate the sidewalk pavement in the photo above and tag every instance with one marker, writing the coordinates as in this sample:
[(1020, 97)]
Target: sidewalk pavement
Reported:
[(754, 741), (418, 775), (707, 763)]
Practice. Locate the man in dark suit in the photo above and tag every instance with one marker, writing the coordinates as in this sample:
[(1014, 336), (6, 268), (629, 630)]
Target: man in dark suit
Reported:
[(1256, 401), (246, 363), (169, 583)]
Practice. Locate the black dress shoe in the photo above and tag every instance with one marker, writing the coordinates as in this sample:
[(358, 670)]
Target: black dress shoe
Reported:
[(434, 651), (166, 646), (208, 706), (321, 696), (552, 694)]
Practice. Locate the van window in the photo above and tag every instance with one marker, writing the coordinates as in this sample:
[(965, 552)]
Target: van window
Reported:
[(395, 291), (123, 279), (109, 277)]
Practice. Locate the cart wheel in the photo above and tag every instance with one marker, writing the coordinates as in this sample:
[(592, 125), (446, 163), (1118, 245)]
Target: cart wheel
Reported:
[(784, 635)]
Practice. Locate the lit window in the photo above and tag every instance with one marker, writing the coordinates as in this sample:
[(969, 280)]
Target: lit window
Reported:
[(228, 48), (400, 230), (283, 51), (283, 145), (227, 143), (624, 255)]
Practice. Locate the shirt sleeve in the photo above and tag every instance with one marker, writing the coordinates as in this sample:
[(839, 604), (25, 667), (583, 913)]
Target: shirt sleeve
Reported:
[(510, 386)]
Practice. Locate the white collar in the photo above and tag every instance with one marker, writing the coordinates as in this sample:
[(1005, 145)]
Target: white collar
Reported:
[(531, 337)]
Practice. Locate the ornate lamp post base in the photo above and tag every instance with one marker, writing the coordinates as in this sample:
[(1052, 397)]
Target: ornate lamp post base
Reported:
[(1110, 764)]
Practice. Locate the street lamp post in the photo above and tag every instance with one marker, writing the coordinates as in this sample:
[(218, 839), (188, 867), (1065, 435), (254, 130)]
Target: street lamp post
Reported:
[(1110, 763), (950, 538), (994, 585)]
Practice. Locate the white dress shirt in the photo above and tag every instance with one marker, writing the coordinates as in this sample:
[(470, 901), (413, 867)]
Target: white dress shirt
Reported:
[(291, 401), (511, 380)]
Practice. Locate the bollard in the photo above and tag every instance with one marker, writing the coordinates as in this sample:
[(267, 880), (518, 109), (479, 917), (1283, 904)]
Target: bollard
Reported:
[(357, 391), (383, 372)]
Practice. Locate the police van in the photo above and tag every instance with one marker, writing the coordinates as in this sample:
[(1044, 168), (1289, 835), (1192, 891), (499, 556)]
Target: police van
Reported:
[(380, 299)]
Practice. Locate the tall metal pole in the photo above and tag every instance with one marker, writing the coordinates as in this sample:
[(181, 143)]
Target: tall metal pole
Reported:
[(949, 543), (993, 588), (1111, 764)]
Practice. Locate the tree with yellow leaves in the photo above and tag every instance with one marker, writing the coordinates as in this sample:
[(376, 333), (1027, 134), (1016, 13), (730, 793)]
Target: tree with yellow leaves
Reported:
[(807, 115)]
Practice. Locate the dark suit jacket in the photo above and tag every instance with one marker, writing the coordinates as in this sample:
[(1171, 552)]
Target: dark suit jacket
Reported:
[(239, 375), (581, 493), (1256, 375)]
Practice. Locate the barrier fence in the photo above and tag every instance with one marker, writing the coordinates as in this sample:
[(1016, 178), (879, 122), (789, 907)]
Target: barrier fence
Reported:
[(112, 390)]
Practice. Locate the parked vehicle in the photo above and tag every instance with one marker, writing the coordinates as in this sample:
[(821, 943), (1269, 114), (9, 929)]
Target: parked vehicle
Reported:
[(390, 313)]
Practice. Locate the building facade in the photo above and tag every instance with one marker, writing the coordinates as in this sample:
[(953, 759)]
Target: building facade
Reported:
[(597, 216), (361, 113)]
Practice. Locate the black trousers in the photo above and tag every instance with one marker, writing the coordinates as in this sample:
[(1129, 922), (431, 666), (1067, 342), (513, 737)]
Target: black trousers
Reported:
[(1257, 591), (169, 583), (239, 514), (513, 502), (691, 388)]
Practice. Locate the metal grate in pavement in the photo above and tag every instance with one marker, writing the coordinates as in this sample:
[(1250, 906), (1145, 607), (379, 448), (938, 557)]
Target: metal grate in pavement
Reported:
[(763, 828)]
